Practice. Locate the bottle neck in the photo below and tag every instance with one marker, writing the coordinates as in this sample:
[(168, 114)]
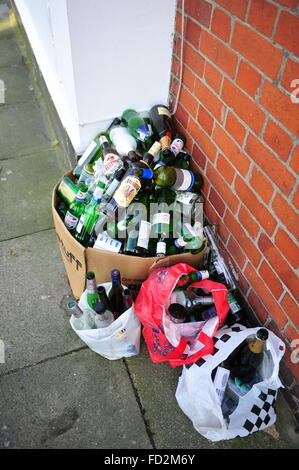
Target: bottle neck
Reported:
[(256, 345)]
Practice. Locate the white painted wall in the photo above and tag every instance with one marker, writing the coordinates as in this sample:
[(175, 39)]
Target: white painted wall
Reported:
[(99, 57)]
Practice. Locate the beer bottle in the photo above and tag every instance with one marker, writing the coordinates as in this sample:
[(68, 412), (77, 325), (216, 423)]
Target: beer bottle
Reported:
[(81, 320), (104, 297), (91, 287), (190, 240), (90, 154), (90, 216), (112, 187), (148, 158), (112, 160), (186, 279), (116, 294), (76, 209)]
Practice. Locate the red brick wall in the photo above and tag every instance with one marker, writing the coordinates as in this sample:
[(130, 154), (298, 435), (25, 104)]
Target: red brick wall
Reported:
[(235, 108)]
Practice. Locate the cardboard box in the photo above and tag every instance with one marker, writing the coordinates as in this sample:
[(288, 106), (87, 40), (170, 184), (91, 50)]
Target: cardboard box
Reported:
[(79, 260)]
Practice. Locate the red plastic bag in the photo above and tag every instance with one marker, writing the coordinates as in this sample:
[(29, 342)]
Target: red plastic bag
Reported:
[(159, 332)]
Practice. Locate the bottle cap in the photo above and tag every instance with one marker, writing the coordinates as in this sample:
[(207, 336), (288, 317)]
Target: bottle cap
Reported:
[(90, 275), (147, 173), (177, 311)]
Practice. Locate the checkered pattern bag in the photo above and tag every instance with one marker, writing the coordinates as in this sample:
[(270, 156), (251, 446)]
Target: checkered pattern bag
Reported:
[(197, 397)]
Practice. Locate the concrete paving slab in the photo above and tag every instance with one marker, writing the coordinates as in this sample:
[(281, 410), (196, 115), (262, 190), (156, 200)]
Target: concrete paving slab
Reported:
[(18, 87), (171, 429), (10, 52), (26, 185), (23, 130), (73, 402), (33, 323)]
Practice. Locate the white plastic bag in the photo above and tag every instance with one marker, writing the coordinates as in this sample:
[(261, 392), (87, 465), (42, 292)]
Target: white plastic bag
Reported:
[(120, 339), (197, 396)]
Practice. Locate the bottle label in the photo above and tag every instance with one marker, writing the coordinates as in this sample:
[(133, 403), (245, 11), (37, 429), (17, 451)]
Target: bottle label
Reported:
[(144, 234), (87, 153), (98, 193), (165, 141), (112, 187), (176, 146), (107, 244), (127, 191), (80, 223), (70, 220), (143, 132), (184, 180), (161, 218), (163, 111), (112, 163), (103, 139), (66, 191), (80, 196), (161, 248)]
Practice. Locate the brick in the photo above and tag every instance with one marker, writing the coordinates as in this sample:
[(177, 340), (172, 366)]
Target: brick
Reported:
[(258, 210), (287, 247), (222, 188), (287, 356), (235, 128), (291, 308), (286, 214), (295, 200), (192, 33), (248, 222), (225, 169), (178, 22), (209, 100), (291, 333), (288, 3), (232, 151), (200, 10), (287, 32), (279, 264), (217, 52), (216, 202), (221, 24), (211, 213), (270, 278), (258, 307), (294, 163), (194, 60), (201, 139), (199, 157), (262, 186), (280, 106), (213, 77), (291, 72), (182, 116), (236, 7), (248, 78), (278, 139), (270, 164), (205, 120), (265, 295), (243, 240), (262, 15), (236, 252), (243, 106), (189, 102), (258, 50)]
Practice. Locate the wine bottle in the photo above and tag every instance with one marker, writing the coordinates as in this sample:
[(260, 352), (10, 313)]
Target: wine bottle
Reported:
[(186, 279), (127, 299), (182, 161), (177, 313), (177, 144), (245, 360), (137, 125), (124, 142), (116, 180), (104, 297), (116, 294), (187, 301), (162, 123), (177, 179)]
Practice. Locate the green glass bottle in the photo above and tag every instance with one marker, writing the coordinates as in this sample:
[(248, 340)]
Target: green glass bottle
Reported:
[(182, 161), (138, 238), (92, 295), (177, 179), (76, 209), (116, 294), (190, 240), (88, 156), (137, 126), (67, 190), (177, 144), (186, 279), (90, 216)]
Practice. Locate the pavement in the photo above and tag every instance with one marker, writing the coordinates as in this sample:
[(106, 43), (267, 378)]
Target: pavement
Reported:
[(55, 392)]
